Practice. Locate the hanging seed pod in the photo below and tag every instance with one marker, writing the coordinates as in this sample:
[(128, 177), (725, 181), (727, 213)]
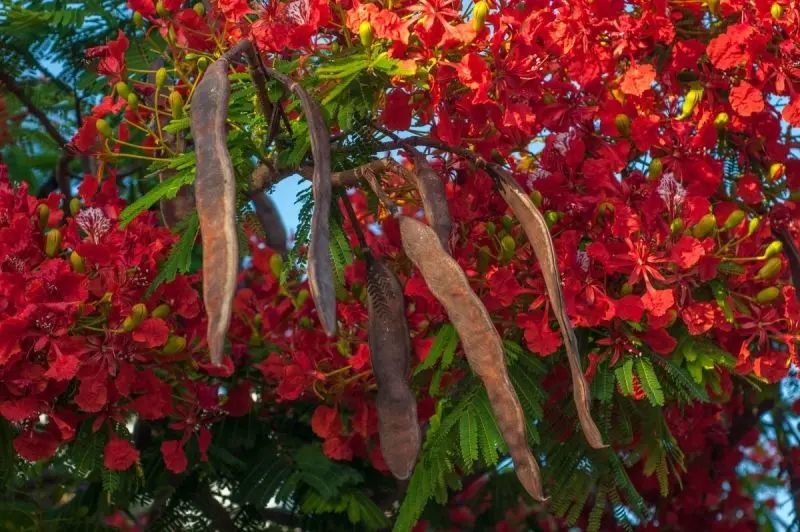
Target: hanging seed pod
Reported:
[(215, 195), (793, 254), (535, 228), (320, 268), (274, 232), (390, 350), (482, 344), (434, 199)]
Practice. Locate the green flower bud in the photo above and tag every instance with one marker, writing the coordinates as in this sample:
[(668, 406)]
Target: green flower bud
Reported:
[(103, 128), (484, 258), (133, 101), (776, 171), (52, 243), (627, 289), (623, 124), (176, 103), (776, 10), (138, 19), (479, 15), (536, 198), (507, 222), (276, 265), (721, 121), (202, 64), (508, 244), (175, 344), (775, 247), (161, 77), (490, 228), (123, 90), (551, 217), (734, 219), (161, 311), (161, 10), (74, 206), (768, 294), (656, 168), (365, 33), (302, 297), (770, 269), (676, 226), (705, 226), (43, 212), (693, 97), (77, 262), (753, 226), (139, 312), (199, 8)]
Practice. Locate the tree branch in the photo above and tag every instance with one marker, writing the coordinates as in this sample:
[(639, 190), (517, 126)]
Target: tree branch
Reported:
[(17, 91)]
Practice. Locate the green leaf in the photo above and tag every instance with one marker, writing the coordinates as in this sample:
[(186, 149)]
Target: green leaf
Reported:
[(177, 125), (468, 434), (649, 381), (443, 347), (603, 384), (180, 257), (624, 375), (339, 88)]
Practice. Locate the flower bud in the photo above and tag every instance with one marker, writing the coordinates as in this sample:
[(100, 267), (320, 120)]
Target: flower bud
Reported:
[(627, 289), (161, 77), (161, 10), (161, 311), (775, 247), (365, 33), (103, 128), (776, 171), (536, 198), (753, 226), (139, 312), (52, 243), (138, 20), (175, 344), (172, 37), (705, 226), (176, 103), (768, 294), (776, 10), (123, 90), (623, 124), (483, 259), (276, 265), (202, 64), (77, 262), (479, 15), (128, 324), (656, 168), (734, 219), (133, 101), (490, 228), (199, 8), (507, 222), (770, 269), (721, 121), (691, 100), (508, 244), (74, 206), (676, 226), (44, 215), (551, 217)]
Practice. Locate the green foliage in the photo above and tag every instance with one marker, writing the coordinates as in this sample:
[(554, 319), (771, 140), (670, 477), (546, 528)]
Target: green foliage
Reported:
[(180, 256), (649, 381)]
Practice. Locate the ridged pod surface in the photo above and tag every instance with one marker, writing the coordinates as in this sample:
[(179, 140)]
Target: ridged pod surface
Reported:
[(482, 344), (434, 199), (215, 196), (390, 351)]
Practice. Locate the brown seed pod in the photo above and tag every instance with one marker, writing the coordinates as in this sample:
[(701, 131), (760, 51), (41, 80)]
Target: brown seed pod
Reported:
[(274, 231), (215, 195), (482, 343), (320, 268), (390, 350), (434, 199), (539, 236), (793, 254)]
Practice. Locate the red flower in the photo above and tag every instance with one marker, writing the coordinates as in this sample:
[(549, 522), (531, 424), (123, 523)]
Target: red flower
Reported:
[(687, 252), (119, 454), (112, 57), (174, 457), (746, 99), (152, 332), (325, 422), (638, 79)]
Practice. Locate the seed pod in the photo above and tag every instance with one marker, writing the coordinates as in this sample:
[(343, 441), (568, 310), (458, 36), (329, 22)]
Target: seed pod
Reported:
[(434, 199), (705, 226), (43, 211), (770, 269), (215, 196), (734, 219), (542, 243), (775, 247), (479, 13), (161, 77), (656, 168), (365, 34), (52, 243), (768, 294), (721, 120), (482, 344), (320, 268), (175, 344), (390, 351), (693, 97), (103, 128), (123, 90), (623, 124), (161, 311), (77, 262), (274, 232)]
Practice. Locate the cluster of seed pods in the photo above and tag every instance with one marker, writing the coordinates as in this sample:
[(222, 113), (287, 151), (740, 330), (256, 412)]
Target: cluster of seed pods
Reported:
[(426, 245)]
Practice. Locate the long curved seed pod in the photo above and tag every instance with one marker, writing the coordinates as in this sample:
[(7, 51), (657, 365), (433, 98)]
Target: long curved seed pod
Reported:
[(793, 255), (215, 194), (390, 350), (274, 231), (434, 198), (320, 268), (482, 344), (539, 236)]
